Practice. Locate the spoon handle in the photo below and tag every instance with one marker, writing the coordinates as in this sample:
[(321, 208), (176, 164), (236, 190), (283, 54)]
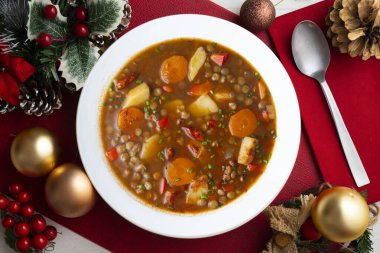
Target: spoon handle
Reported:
[(352, 156)]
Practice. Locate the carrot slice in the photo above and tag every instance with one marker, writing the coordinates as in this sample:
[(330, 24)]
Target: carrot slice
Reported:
[(180, 171), (242, 123), (174, 69), (129, 119)]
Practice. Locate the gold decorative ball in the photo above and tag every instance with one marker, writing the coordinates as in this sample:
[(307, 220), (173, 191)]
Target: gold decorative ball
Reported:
[(69, 192), (34, 152), (257, 15), (340, 214)]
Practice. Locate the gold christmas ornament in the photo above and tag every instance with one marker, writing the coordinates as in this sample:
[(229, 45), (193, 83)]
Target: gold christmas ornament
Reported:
[(34, 152), (69, 192), (257, 15), (354, 27), (340, 214)]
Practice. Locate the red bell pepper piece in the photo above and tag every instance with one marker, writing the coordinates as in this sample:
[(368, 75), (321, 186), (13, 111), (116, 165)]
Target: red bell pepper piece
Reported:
[(252, 167), (162, 185), (112, 154), (228, 187), (192, 133), (124, 82), (200, 89), (219, 58), (212, 124), (164, 122), (169, 153)]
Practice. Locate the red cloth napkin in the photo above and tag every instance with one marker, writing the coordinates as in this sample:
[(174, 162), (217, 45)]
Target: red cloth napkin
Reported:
[(355, 85), (104, 226)]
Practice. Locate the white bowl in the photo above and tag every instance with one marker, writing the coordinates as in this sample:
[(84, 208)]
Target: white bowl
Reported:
[(239, 211)]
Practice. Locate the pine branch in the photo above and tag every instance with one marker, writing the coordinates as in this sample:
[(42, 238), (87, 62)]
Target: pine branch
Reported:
[(14, 16), (364, 242)]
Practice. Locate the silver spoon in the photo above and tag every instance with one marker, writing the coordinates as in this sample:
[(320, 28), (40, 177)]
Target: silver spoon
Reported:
[(312, 56)]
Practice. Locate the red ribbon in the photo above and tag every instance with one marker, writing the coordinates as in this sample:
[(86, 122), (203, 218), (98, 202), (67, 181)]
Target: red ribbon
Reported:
[(13, 70)]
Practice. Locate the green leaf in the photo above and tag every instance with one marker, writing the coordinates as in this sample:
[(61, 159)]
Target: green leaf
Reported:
[(364, 194), (364, 242), (63, 6), (37, 24), (77, 61), (104, 15)]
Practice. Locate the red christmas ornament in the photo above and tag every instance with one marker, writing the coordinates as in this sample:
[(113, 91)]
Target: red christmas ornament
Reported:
[(309, 231), (3, 202), (15, 188), (13, 70), (8, 221), (23, 244), (27, 211), (23, 197), (80, 14), (14, 207), (39, 241), (21, 229), (44, 40), (50, 232), (37, 223), (81, 30), (50, 11)]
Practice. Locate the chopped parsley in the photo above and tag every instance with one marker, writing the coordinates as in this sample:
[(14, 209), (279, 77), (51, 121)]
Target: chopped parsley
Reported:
[(250, 94), (138, 81), (161, 155), (210, 166), (190, 170), (204, 196), (161, 141), (214, 44)]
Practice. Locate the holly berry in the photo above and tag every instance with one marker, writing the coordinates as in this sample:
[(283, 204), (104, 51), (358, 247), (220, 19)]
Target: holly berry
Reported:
[(39, 241), (14, 207), (22, 229), (37, 223), (23, 197), (50, 232), (309, 231), (50, 12), (81, 30), (23, 244), (14, 189), (27, 211), (8, 221), (3, 202), (44, 40), (80, 14)]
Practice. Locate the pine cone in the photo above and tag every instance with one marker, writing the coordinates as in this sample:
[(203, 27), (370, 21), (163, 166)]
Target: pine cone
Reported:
[(5, 107), (354, 27), (40, 99)]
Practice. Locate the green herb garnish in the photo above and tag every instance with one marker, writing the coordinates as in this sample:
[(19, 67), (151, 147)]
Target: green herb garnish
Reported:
[(204, 196), (138, 81)]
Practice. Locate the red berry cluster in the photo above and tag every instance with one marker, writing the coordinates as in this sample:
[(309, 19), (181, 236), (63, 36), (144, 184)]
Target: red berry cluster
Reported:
[(28, 227), (80, 29)]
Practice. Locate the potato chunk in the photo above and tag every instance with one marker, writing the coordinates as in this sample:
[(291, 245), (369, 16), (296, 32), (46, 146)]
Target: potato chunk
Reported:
[(137, 96), (246, 151), (197, 188), (196, 62), (150, 147), (202, 106)]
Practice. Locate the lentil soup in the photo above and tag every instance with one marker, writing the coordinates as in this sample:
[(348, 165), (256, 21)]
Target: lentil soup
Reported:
[(188, 125)]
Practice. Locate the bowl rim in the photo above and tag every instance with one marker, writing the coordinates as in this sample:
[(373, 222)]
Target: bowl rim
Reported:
[(208, 223)]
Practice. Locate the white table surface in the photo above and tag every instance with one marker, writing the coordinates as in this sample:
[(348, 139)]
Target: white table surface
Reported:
[(68, 241)]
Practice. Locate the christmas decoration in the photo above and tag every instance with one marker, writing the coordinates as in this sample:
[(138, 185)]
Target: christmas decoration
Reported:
[(257, 15), (354, 27), (34, 152), (294, 230), (24, 233), (42, 33), (341, 214), (13, 69), (69, 192)]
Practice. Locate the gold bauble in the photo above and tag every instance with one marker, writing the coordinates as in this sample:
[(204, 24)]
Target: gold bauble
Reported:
[(34, 152), (340, 214), (69, 192)]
